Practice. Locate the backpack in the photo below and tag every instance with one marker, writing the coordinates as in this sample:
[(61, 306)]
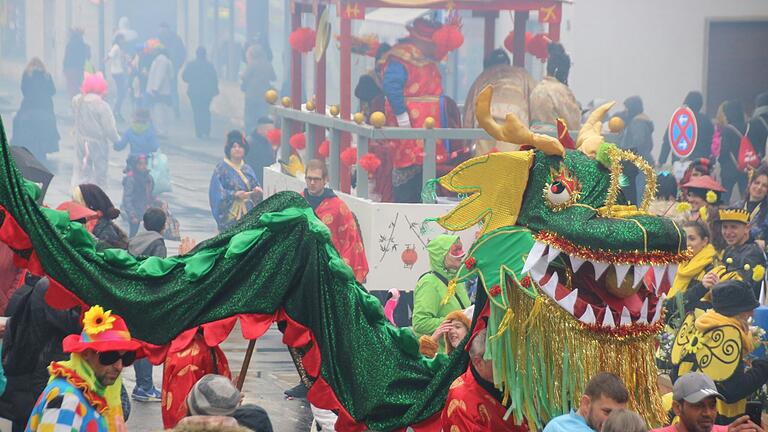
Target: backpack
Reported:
[(748, 158), (445, 282)]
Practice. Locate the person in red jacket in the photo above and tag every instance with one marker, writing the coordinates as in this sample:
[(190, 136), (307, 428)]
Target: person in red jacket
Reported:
[(413, 88), (473, 403), (330, 209)]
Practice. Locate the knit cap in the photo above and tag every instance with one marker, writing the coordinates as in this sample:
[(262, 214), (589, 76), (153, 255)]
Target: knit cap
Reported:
[(213, 395)]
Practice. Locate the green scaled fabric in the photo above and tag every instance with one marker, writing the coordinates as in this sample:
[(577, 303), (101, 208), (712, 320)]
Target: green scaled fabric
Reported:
[(279, 256)]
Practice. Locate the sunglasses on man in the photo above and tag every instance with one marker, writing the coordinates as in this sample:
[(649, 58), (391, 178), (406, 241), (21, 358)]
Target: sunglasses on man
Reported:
[(107, 358)]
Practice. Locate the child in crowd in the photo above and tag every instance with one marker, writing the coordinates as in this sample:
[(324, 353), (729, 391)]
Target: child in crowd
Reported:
[(149, 242), (140, 137), (137, 191)]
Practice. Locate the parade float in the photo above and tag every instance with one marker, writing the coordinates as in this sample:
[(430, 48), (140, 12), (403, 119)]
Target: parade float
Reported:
[(388, 229)]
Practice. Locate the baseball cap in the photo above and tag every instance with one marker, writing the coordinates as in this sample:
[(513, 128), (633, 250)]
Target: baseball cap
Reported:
[(694, 387)]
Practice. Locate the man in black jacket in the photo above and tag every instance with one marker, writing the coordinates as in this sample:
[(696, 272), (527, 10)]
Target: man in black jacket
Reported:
[(32, 341), (202, 87), (758, 124)]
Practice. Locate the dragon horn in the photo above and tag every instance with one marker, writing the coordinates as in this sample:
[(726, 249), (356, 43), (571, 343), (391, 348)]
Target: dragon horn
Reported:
[(590, 136), (513, 130), (483, 114)]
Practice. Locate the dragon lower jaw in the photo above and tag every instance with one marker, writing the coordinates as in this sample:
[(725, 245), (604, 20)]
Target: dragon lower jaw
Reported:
[(601, 294)]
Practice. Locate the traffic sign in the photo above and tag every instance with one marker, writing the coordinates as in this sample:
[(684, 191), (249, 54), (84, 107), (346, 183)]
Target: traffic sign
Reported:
[(683, 131)]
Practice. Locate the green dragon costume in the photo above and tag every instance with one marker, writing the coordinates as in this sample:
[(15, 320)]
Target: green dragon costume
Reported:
[(553, 320)]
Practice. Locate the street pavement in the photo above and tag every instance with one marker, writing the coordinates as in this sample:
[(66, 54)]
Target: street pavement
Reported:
[(191, 163)]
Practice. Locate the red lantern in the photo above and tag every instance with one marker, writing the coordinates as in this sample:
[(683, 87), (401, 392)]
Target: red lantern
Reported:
[(370, 162), (349, 156), (324, 149), (447, 38), (509, 41), (298, 141), (302, 39), (409, 256), (538, 46), (274, 136)]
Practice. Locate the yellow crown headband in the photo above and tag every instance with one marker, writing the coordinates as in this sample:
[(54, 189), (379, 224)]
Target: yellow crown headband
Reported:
[(734, 215)]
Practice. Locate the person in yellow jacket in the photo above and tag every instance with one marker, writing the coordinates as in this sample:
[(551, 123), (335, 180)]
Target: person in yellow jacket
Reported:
[(429, 308), (716, 342), (679, 302)]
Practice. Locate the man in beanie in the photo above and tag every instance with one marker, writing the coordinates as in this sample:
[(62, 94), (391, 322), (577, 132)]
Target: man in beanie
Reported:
[(214, 399), (83, 393), (716, 343), (694, 401)]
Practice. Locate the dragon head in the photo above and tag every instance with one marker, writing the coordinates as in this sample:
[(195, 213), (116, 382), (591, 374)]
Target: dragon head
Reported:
[(563, 250)]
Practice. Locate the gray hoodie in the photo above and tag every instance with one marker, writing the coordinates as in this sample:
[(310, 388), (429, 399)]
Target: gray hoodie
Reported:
[(147, 243)]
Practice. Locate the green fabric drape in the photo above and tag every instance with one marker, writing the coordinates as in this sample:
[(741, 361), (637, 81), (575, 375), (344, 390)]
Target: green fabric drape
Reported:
[(279, 256)]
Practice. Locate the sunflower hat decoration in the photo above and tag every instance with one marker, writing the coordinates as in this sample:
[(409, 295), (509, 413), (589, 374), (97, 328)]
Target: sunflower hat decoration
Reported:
[(97, 320)]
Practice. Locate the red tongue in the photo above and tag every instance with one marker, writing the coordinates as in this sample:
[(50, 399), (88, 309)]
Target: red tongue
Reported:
[(633, 303)]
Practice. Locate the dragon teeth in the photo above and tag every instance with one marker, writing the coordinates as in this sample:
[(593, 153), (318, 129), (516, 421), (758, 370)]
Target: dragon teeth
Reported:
[(569, 302), (658, 275), (659, 306), (553, 253), (643, 313), (588, 317), (539, 270), (626, 318), (640, 271), (551, 285), (576, 263), (671, 273), (600, 268), (608, 318), (534, 256), (621, 272)]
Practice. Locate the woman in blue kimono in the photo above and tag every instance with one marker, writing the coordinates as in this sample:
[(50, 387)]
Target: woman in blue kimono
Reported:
[(234, 190)]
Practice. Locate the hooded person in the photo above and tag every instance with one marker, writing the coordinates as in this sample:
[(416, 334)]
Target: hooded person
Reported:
[(83, 393), (758, 125), (730, 139), (717, 342), (107, 233), (429, 308), (705, 130), (637, 137)]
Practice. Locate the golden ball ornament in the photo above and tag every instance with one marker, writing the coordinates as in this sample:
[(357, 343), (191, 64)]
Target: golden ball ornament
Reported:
[(615, 124), (270, 96), (378, 119), (286, 101), (310, 105), (334, 110), (429, 123), (359, 117)]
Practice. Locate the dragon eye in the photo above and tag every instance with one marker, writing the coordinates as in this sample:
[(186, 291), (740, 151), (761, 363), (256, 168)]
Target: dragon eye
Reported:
[(558, 194), (563, 189)]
